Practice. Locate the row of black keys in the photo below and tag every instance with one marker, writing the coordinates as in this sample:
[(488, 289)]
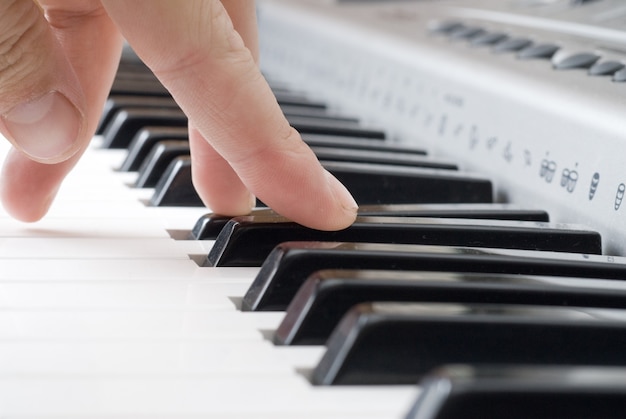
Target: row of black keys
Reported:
[(390, 313)]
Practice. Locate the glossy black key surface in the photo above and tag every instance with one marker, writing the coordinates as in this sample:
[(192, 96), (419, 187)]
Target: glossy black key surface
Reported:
[(375, 144), (175, 188), (511, 45), (326, 296), (539, 51), (338, 128), (398, 343), (247, 240), (209, 225), (516, 392), (290, 264), (158, 160), (143, 142), (380, 157), (126, 123), (114, 104), (386, 184)]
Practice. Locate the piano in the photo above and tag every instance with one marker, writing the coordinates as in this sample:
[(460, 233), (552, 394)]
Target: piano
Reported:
[(109, 309)]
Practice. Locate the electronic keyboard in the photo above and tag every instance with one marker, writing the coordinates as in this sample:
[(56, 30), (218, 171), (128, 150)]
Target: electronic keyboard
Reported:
[(485, 273)]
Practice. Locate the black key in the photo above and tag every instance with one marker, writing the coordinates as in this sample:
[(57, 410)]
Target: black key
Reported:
[(125, 125), (247, 240), (376, 144), (326, 296), (290, 264), (386, 184), (445, 27), (158, 160), (114, 104), (208, 226), (318, 113), (338, 128), (175, 188), (294, 99), (126, 87), (398, 343), (516, 392), (143, 142), (379, 157)]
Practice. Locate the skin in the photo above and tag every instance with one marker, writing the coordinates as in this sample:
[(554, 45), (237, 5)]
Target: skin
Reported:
[(205, 53)]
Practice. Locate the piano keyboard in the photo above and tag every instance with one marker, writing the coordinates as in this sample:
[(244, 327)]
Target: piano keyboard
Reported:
[(109, 310)]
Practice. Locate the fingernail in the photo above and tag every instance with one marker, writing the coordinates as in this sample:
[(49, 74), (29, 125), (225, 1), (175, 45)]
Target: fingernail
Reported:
[(45, 128), (341, 194)]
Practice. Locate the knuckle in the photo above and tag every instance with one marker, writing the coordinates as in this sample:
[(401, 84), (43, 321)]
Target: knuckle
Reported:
[(19, 44)]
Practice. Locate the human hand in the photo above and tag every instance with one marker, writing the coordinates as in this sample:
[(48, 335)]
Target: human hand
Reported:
[(55, 73)]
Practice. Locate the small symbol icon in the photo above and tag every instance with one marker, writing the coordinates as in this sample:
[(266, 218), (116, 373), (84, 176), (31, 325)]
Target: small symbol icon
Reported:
[(548, 168), (458, 130), (473, 137), (595, 180), (507, 153), (619, 196), (491, 142), (569, 178), (442, 124), (528, 158)]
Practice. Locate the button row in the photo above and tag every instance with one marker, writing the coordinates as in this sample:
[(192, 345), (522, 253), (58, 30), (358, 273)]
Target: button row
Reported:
[(526, 49)]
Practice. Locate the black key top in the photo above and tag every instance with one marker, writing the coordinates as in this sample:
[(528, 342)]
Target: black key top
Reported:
[(516, 392), (125, 125), (327, 296), (291, 263), (126, 87), (398, 343), (338, 128), (247, 240), (376, 144), (114, 104), (380, 157), (143, 142), (294, 99), (386, 184), (158, 160), (209, 225), (175, 188), (318, 113)]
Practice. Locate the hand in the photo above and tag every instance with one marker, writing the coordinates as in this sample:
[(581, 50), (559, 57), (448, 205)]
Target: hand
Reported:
[(55, 73)]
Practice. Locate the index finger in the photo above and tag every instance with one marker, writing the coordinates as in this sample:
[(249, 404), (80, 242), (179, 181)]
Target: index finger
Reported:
[(194, 50)]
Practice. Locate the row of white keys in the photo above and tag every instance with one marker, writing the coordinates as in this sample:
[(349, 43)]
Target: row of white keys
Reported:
[(104, 315)]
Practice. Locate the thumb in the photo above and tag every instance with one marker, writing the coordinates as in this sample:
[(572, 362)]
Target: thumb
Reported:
[(41, 105)]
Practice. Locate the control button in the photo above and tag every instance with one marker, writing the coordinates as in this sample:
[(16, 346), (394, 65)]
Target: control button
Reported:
[(580, 60), (512, 45), (539, 51), (620, 76), (605, 68), (467, 32), (489, 38), (445, 27)]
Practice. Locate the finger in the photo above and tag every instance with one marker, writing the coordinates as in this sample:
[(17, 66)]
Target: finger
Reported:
[(215, 181), (195, 51), (243, 16), (89, 45), (41, 104)]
